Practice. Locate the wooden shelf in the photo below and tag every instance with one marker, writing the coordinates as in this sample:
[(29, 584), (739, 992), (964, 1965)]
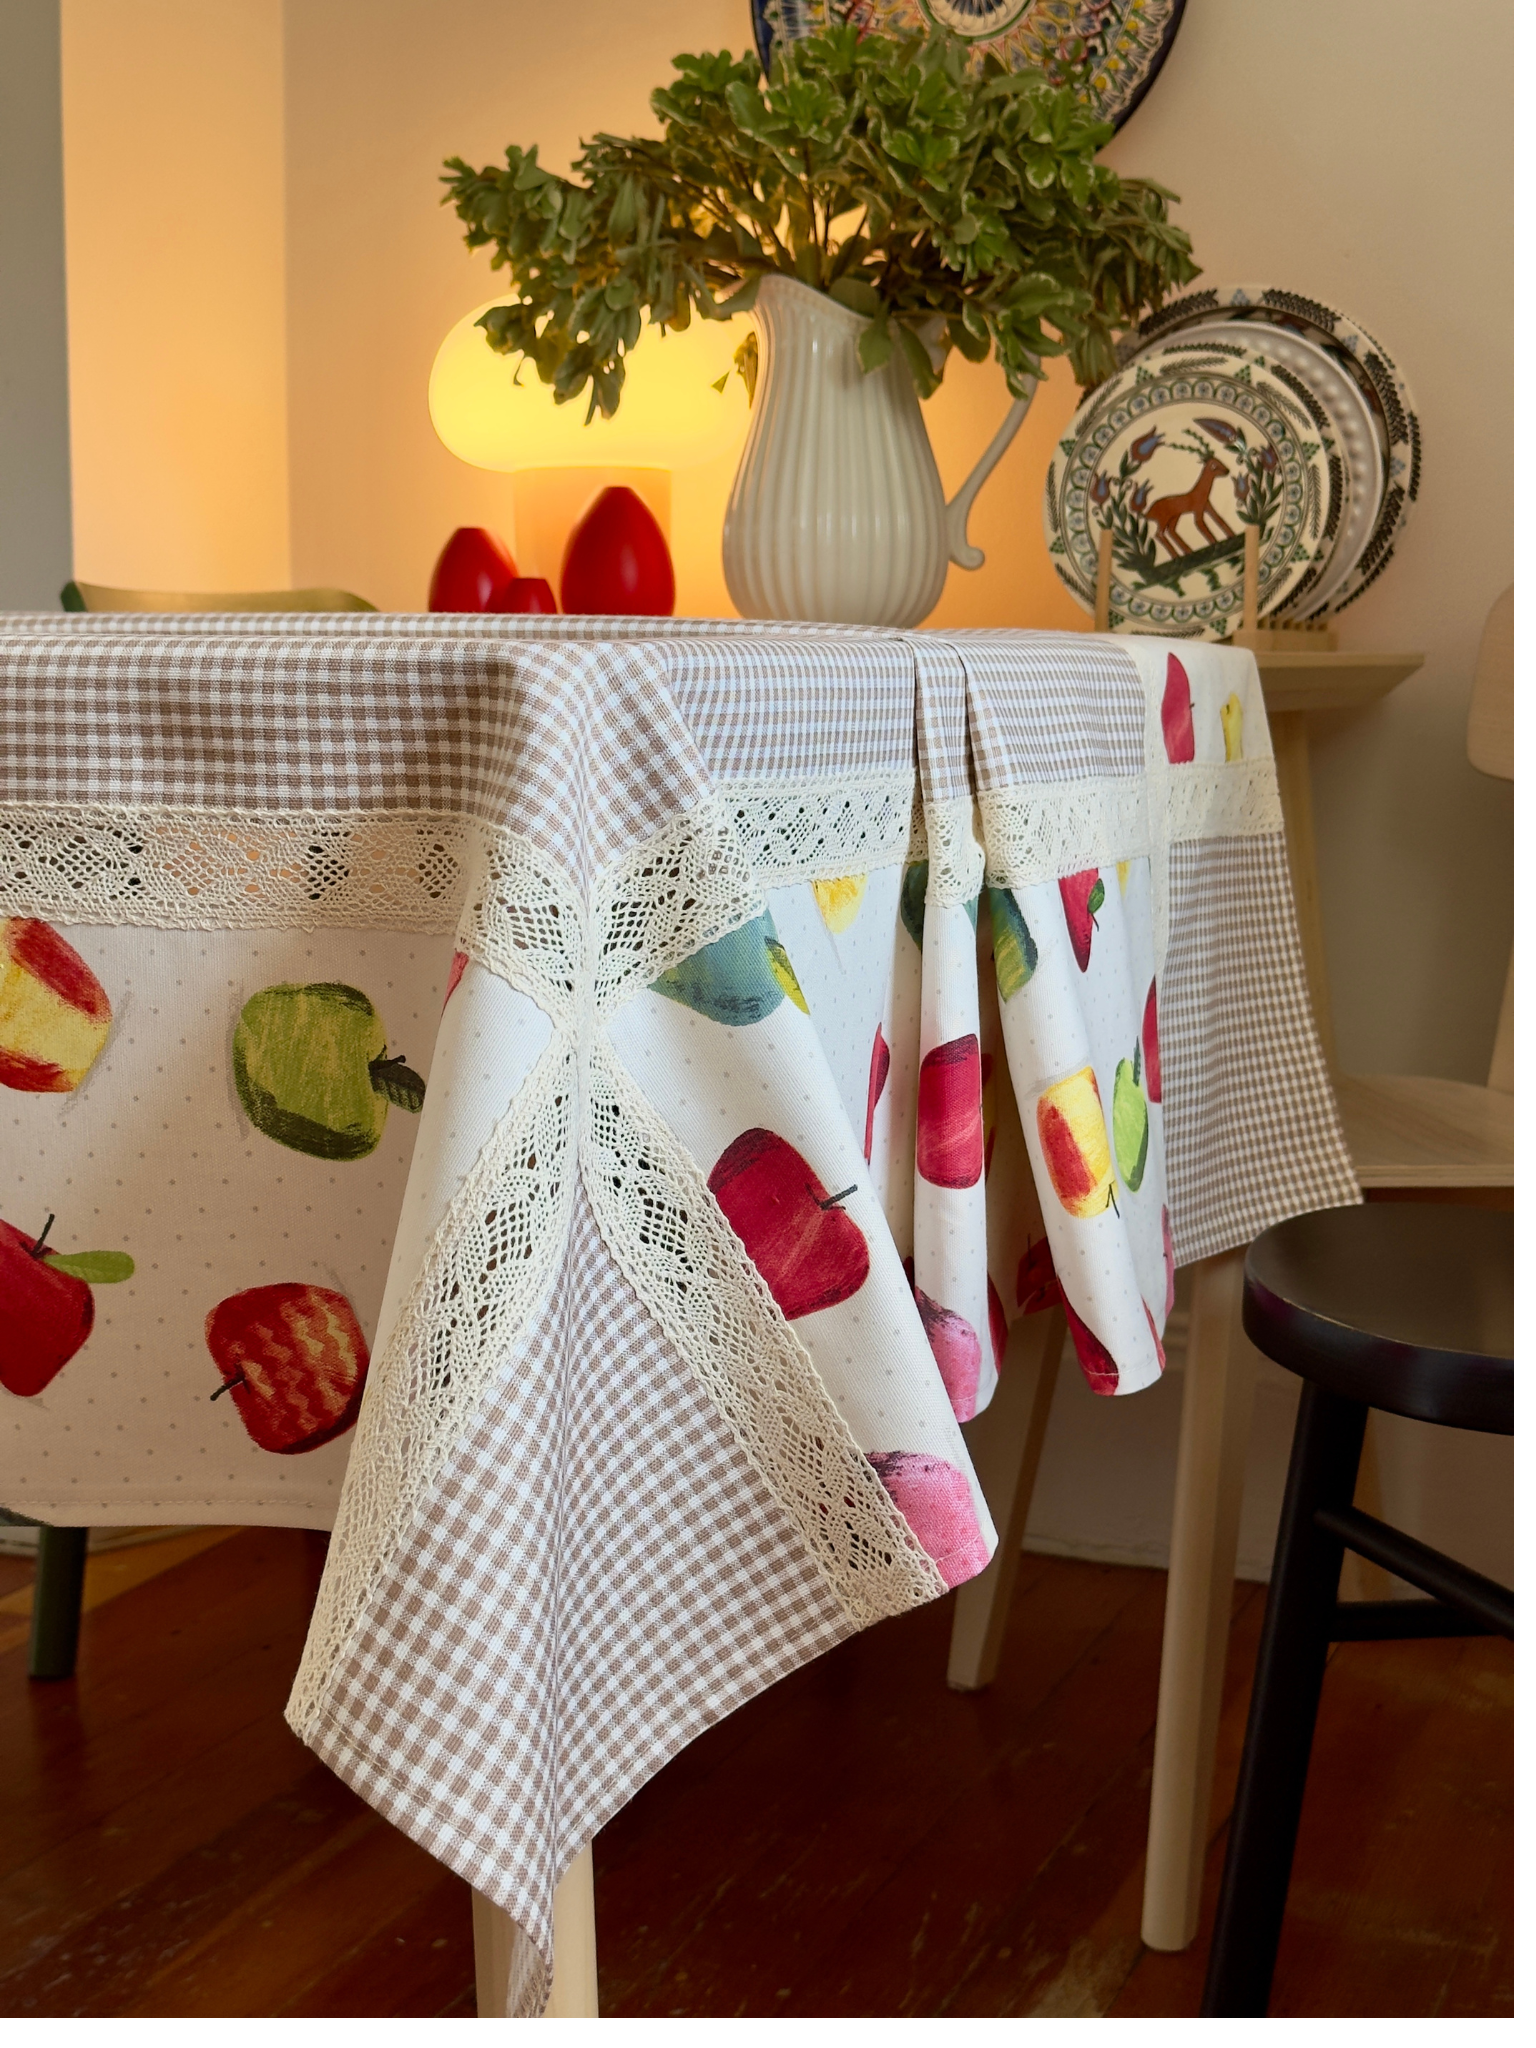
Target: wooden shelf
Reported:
[(1302, 681)]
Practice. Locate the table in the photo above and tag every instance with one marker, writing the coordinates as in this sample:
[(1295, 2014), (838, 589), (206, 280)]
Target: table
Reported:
[(658, 1064)]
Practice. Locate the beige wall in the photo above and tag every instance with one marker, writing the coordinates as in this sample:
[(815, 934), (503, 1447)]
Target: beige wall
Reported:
[(173, 184)]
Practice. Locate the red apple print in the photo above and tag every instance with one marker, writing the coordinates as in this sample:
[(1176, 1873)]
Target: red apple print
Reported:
[(1082, 897), (1168, 1261), (950, 1147), (1099, 1369), (1178, 713), (958, 1350), (456, 967), (1037, 1286), (49, 1309), (997, 1325), (934, 1500), (294, 1359), (879, 1074), (1151, 1058), (54, 1013), (810, 1251)]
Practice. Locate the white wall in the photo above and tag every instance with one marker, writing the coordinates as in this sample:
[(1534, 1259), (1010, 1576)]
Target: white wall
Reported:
[(34, 390), (173, 154)]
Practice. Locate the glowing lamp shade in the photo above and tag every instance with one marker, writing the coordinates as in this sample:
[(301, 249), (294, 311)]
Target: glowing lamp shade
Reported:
[(669, 415)]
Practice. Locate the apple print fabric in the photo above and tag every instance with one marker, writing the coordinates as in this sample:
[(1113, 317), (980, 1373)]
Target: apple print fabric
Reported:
[(576, 1110)]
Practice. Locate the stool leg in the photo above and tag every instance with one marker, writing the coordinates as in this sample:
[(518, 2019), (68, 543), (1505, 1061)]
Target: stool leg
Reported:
[(1325, 1457), (56, 1595), (1202, 1555), (1005, 1443)]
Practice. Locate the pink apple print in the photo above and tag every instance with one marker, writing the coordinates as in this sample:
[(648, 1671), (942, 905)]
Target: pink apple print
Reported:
[(1037, 1286), (1168, 1260), (957, 1349), (1178, 713), (1099, 1368), (807, 1247), (1152, 1059), (934, 1500), (997, 1325), (1082, 897), (456, 967), (879, 1074), (950, 1147)]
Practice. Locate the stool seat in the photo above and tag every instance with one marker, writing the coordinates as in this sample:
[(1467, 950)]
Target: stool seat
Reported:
[(1406, 1306)]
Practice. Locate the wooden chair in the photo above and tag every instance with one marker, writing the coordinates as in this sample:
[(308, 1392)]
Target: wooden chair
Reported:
[(99, 597), (1408, 1136)]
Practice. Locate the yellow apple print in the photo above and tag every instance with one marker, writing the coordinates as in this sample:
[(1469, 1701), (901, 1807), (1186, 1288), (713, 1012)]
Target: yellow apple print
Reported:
[(1232, 726), (839, 901), (1123, 870)]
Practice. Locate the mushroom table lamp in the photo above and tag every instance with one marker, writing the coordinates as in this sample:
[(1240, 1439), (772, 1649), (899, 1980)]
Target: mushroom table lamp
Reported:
[(492, 412)]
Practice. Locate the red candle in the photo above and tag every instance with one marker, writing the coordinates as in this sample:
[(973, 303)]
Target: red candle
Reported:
[(473, 569), (616, 559)]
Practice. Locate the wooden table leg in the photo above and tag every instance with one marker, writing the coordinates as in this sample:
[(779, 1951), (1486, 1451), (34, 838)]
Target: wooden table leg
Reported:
[(1208, 1495), (1005, 1443), (573, 1994)]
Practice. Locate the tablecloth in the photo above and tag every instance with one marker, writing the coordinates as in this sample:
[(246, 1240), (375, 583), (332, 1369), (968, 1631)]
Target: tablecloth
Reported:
[(578, 1104)]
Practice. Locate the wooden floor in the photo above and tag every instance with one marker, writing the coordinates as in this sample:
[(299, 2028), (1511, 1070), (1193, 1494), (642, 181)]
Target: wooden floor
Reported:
[(859, 1840)]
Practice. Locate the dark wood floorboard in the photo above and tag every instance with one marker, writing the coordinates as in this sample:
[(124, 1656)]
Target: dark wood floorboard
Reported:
[(859, 1840)]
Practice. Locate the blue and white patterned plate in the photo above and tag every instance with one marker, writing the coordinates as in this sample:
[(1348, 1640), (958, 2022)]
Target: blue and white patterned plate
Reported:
[(1121, 43)]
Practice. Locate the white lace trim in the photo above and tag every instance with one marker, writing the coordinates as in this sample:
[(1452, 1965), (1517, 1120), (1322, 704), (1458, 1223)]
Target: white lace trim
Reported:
[(819, 831), (493, 1256), (212, 869), (1225, 800), (1045, 831), (951, 843), (193, 868)]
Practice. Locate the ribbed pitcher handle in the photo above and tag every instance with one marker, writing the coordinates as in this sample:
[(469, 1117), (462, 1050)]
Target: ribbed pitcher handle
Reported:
[(958, 511)]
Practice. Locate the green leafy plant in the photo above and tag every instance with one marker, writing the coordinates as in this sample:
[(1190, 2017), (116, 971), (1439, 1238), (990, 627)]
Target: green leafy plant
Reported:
[(956, 210)]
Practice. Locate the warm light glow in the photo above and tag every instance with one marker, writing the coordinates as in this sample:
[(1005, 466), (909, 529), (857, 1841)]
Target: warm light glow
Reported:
[(669, 417)]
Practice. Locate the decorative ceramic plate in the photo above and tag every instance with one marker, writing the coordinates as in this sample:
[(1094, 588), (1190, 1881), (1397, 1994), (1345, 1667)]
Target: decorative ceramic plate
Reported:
[(1122, 43), (1350, 427), (1361, 355), (1176, 454)]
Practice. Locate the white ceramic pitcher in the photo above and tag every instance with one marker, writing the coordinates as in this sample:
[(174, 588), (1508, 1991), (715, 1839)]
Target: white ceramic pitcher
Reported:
[(837, 511)]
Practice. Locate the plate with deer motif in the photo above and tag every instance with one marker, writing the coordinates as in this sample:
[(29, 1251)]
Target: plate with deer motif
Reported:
[(1341, 413), (1177, 455), (1113, 49), (1357, 352)]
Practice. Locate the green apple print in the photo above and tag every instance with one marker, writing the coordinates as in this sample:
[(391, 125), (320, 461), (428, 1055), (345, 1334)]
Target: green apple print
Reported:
[(1013, 946), (1131, 1123), (311, 1072), (740, 979), (914, 900)]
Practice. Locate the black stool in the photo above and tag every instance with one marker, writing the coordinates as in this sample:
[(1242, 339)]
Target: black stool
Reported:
[(1407, 1306)]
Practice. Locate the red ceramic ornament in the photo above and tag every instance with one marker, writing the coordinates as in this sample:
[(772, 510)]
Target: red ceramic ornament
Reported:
[(474, 568), (524, 594), (616, 559)]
